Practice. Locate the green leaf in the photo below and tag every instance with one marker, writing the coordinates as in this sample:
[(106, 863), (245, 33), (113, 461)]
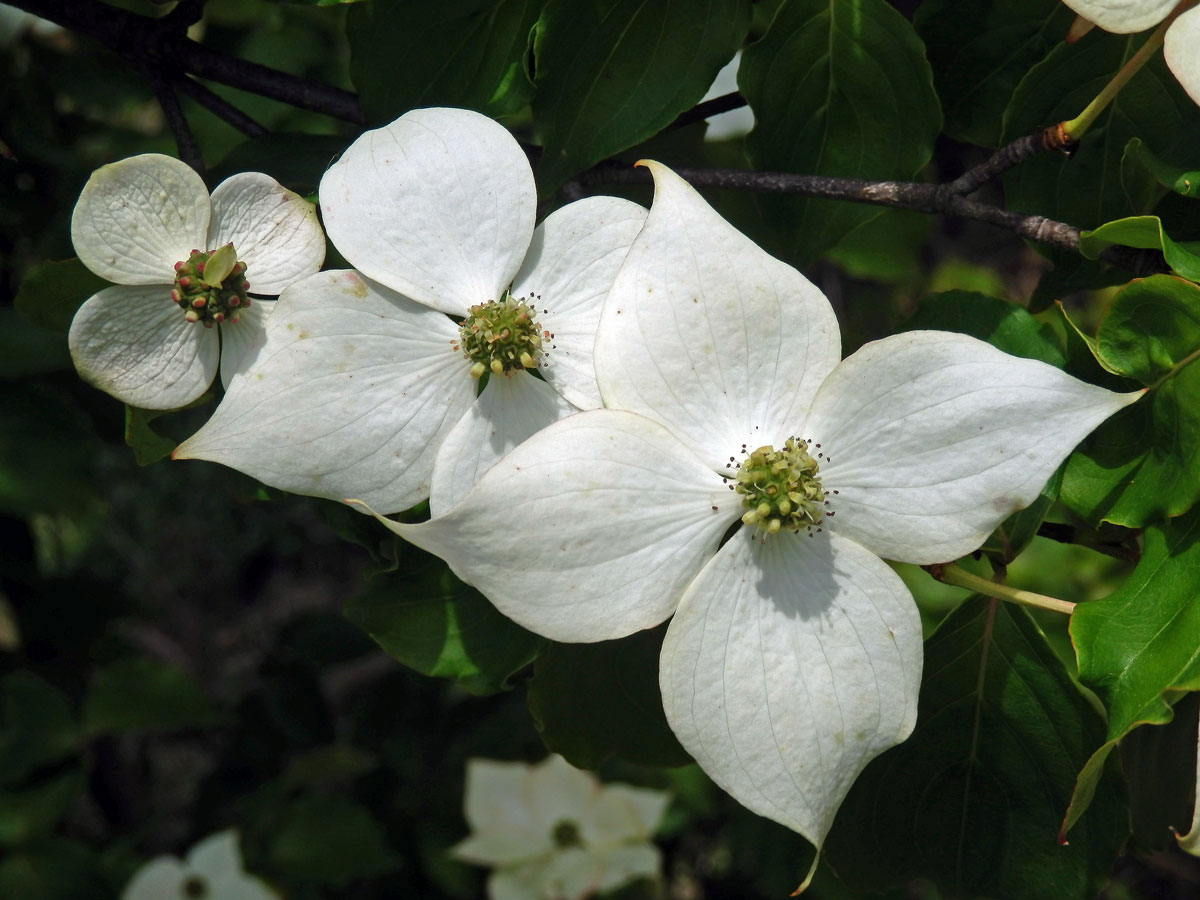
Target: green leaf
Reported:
[(27, 349), (1143, 464), (887, 248), (1146, 233), (1137, 648), (611, 74), (54, 869), (838, 87), (54, 290), (973, 799), (30, 813), (297, 161), (47, 459), (37, 726), (595, 701), (430, 621), (1004, 325), (980, 50), (1159, 764), (137, 693), (1183, 181), (1096, 184), (329, 839), (464, 53), (147, 444)]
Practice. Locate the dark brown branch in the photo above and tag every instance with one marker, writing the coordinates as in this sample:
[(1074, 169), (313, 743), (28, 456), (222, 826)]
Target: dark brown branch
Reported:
[(219, 106), (708, 108), (1010, 155), (185, 140)]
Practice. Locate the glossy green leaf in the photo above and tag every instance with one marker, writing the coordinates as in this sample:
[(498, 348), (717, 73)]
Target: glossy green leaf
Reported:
[(1183, 181), (1004, 325), (611, 74), (980, 50), (1095, 184), (53, 290), (138, 693), (329, 839), (973, 799), (464, 53), (37, 726), (838, 87), (1143, 464), (595, 701), (432, 622), (1137, 648), (1146, 233)]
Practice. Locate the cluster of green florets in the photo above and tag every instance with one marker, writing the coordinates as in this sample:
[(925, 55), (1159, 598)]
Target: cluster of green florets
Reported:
[(210, 286), (780, 488), (501, 336)]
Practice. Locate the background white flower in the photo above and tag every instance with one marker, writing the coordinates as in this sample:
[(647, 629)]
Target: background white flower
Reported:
[(552, 831), (361, 384), (793, 658), (138, 218), (1181, 45), (213, 870)]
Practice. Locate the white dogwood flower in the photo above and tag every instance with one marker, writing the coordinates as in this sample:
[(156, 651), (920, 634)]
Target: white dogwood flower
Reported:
[(1181, 44), (185, 266), (364, 380), (213, 869), (552, 832), (794, 655)]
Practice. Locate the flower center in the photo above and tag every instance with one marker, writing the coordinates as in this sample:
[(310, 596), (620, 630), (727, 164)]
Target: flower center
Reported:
[(780, 488), (210, 286), (566, 834), (501, 336), (194, 886)]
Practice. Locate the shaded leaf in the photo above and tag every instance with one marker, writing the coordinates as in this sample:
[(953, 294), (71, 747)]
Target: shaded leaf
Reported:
[(1004, 325), (330, 839), (147, 444), (54, 290), (142, 693), (1183, 181), (1146, 233), (30, 813), (46, 452), (37, 726)]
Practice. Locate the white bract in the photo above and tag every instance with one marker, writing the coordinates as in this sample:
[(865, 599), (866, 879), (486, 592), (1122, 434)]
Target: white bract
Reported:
[(212, 871), (364, 380), (148, 223), (1190, 842), (553, 832), (794, 654), (1181, 45)]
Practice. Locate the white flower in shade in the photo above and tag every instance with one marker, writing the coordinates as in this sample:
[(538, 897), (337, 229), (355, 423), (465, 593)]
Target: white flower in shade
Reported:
[(1181, 44), (365, 380), (553, 832), (185, 266), (794, 654), (212, 871)]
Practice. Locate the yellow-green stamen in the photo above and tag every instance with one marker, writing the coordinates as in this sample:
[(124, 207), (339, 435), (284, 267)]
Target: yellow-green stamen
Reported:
[(501, 336), (780, 488)]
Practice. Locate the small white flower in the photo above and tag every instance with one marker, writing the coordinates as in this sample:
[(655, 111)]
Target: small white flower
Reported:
[(145, 223), (553, 832), (1181, 45), (212, 871), (794, 654), (365, 381)]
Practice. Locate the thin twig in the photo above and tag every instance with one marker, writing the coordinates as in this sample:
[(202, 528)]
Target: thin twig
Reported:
[(219, 106), (707, 109), (1008, 156), (185, 140)]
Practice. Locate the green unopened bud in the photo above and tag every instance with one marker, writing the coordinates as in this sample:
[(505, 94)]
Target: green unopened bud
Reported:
[(209, 286)]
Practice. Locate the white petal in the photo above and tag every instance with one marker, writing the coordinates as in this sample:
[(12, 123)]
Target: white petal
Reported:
[(218, 859), (497, 797), (133, 342), (571, 874), (1182, 50), (160, 879), (588, 531), (1123, 16), (438, 205), (510, 409), (789, 666), (138, 217), (622, 813), (354, 389), (936, 438), (242, 340), (624, 864), (572, 262), (519, 883), (560, 792), (274, 231), (1190, 842), (708, 334)]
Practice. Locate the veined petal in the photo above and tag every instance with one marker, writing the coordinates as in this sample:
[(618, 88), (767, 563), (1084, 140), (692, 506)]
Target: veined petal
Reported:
[(590, 530), (1181, 47), (932, 439), (790, 664), (133, 342), (242, 340), (274, 231), (1123, 16), (708, 334), (438, 205), (354, 389), (137, 217), (569, 270), (510, 409)]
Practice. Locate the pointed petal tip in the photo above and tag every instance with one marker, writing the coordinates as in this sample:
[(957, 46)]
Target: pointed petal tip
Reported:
[(812, 870)]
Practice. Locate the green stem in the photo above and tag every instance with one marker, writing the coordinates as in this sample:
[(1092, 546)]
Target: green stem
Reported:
[(1191, 357), (960, 577), (1080, 124)]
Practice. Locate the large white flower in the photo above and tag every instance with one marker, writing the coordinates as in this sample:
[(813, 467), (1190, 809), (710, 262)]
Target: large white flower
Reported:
[(553, 832), (147, 223), (794, 655), (1181, 44), (364, 380), (213, 869)]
